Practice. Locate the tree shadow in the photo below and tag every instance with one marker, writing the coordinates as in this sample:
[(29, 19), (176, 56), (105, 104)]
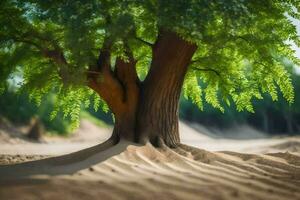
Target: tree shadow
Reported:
[(65, 164)]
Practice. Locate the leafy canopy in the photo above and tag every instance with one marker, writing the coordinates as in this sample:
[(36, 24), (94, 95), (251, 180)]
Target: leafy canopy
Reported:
[(241, 45)]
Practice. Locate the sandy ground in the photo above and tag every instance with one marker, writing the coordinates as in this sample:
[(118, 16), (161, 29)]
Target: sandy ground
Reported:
[(265, 168)]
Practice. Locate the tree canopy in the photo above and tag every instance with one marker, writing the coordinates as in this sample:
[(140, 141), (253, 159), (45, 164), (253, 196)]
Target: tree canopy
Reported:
[(241, 46)]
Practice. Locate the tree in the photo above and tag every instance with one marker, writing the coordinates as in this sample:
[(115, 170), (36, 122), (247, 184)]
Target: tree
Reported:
[(136, 56)]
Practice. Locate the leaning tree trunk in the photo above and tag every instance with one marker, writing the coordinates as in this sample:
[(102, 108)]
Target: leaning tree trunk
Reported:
[(148, 110)]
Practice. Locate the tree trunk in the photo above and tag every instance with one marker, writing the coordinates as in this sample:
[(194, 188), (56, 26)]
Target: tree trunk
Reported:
[(157, 115), (36, 130), (148, 110)]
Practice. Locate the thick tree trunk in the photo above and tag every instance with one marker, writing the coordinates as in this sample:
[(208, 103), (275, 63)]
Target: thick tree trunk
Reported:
[(158, 109), (149, 110), (143, 111)]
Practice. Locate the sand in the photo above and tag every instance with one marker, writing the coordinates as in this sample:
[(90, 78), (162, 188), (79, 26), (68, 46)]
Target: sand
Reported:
[(266, 168)]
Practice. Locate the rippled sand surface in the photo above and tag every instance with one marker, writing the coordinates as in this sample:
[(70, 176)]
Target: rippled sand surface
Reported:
[(226, 169)]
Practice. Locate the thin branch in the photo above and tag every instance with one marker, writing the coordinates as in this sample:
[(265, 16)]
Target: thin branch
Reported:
[(243, 38), (204, 69), (143, 41), (194, 61), (56, 54), (93, 72), (103, 61), (207, 69)]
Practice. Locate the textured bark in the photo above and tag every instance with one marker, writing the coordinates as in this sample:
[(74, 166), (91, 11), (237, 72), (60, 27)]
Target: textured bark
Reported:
[(158, 109), (149, 110), (126, 118), (120, 89), (104, 82)]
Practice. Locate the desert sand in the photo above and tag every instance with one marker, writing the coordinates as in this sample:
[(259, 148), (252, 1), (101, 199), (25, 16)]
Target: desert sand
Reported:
[(265, 168)]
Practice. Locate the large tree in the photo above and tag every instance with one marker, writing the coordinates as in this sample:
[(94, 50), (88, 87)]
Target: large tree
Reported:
[(136, 56)]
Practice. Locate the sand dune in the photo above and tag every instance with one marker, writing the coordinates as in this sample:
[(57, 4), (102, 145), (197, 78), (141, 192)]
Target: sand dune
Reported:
[(149, 173), (145, 172)]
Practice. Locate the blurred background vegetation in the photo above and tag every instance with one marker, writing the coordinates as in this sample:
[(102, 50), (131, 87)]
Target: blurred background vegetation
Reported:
[(18, 109), (270, 117)]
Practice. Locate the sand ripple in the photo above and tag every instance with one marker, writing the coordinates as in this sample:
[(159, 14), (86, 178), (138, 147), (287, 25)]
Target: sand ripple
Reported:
[(186, 173)]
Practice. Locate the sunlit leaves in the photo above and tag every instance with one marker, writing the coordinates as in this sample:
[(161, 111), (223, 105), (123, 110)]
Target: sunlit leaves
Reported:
[(241, 45), (192, 89), (70, 101)]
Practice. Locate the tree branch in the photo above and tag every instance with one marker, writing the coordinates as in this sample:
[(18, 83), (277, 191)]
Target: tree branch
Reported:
[(103, 62), (204, 69), (103, 81), (26, 42), (93, 72), (125, 71), (143, 41), (55, 55), (207, 69)]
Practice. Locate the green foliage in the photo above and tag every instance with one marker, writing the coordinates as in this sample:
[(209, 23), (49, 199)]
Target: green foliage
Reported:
[(192, 90), (241, 45), (271, 117), (19, 109)]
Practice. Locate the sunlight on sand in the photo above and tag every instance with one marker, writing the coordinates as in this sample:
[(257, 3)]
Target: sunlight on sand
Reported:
[(186, 173)]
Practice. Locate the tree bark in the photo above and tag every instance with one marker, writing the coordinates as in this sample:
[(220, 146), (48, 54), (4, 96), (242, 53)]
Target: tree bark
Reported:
[(120, 90), (149, 110), (159, 100), (125, 119)]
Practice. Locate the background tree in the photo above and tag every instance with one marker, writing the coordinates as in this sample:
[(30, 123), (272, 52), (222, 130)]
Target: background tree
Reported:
[(134, 56), (18, 109)]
